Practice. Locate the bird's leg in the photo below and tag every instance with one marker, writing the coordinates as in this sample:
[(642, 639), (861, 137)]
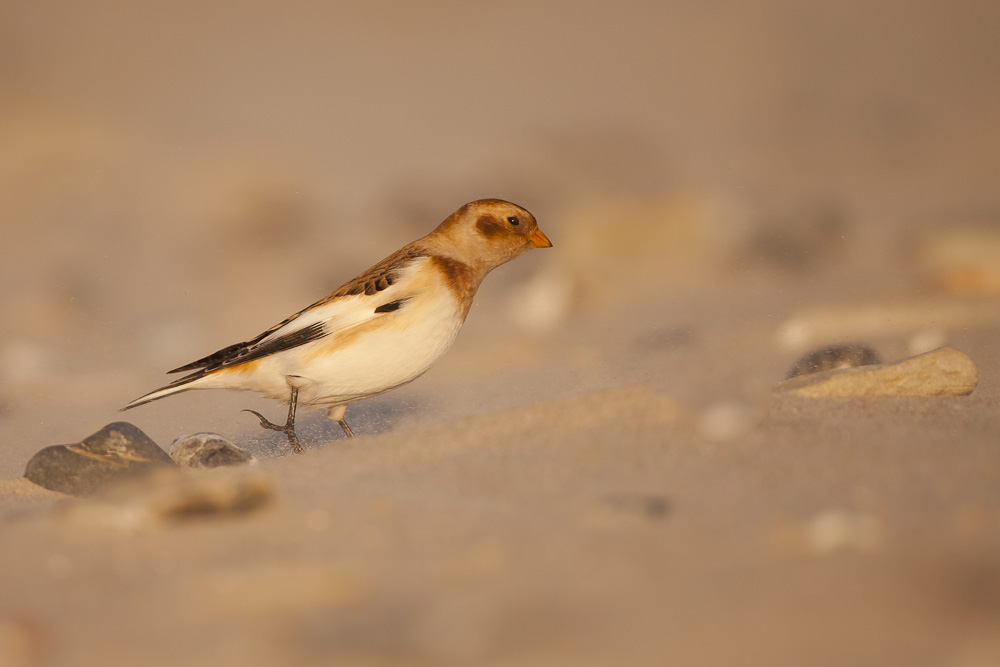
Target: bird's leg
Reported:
[(288, 428), (336, 414)]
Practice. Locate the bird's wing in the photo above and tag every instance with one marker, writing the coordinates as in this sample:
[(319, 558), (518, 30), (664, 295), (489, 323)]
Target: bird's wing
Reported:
[(370, 295), (379, 290)]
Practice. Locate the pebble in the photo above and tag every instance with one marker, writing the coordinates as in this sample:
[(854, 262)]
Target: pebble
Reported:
[(832, 358), (942, 372), (118, 451), (207, 450)]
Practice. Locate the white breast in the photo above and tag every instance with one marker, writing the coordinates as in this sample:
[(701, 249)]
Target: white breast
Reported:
[(399, 349)]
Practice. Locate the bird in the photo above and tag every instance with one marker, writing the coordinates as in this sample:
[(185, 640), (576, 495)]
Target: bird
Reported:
[(377, 332)]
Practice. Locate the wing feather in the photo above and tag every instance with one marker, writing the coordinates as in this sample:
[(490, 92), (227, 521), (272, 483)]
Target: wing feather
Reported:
[(358, 301), (322, 318)]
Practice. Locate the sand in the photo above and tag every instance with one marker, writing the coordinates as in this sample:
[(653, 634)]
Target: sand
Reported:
[(600, 471)]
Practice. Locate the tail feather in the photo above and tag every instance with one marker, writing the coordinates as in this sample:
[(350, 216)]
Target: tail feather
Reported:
[(177, 386)]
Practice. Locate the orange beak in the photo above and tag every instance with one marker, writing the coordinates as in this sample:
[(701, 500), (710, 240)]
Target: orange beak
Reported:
[(539, 240)]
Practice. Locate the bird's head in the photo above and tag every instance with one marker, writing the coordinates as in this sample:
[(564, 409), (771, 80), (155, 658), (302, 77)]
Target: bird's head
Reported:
[(488, 232)]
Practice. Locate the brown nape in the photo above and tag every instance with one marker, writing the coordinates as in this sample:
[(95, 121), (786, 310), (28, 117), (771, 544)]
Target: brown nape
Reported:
[(489, 227), (457, 272), (460, 278)]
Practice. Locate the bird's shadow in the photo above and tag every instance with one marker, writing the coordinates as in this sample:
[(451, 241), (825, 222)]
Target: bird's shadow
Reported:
[(370, 417)]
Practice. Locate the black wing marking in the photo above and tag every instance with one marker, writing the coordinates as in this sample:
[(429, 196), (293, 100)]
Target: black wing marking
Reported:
[(308, 334), (243, 352), (380, 276), (216, 357), (392, 305), (219, 358), (372, 281)]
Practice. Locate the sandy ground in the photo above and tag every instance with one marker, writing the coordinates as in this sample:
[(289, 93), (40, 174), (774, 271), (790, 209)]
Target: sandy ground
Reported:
[(599, 472)]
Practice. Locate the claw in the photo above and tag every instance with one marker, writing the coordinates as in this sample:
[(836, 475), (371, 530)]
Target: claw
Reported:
[(263, 420), (288, 428)]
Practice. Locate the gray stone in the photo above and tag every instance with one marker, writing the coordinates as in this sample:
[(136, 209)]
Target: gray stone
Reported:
[(207, 450), (116, 452)]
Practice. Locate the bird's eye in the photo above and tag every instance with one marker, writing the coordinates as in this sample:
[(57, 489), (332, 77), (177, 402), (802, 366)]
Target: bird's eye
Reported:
[(513, 220)]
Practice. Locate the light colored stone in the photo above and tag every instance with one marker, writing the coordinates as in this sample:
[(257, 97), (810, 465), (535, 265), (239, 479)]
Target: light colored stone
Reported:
[(207, 450), (943, 372)]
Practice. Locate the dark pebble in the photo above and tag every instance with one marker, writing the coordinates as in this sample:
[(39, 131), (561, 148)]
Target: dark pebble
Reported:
[(116, 452)]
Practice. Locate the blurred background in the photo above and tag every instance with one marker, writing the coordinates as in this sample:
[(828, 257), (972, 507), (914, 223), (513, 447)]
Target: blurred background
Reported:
[(175, 177), (727, 186)]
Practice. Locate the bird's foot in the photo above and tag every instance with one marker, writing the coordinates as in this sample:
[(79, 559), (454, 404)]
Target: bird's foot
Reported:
[(288, 428)]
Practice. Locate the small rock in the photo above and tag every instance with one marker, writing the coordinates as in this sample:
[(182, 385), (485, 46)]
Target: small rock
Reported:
[(943, 372), (207, 450), (833, 358), (118, 451)]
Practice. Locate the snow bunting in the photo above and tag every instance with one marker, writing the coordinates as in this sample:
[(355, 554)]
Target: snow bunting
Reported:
[(377, 332)]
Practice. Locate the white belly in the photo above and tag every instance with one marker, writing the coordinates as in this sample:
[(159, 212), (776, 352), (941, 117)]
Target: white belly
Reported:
[(402, 347), (389, 351)]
